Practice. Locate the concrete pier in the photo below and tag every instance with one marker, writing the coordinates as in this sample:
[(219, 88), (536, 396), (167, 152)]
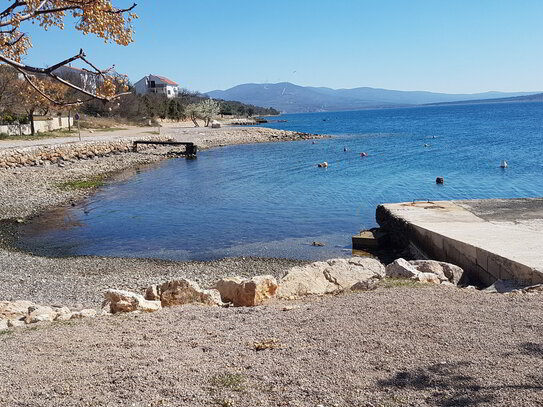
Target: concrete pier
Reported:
[(492, 239)]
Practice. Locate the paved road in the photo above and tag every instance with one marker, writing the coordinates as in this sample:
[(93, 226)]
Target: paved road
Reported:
[(85, 136)]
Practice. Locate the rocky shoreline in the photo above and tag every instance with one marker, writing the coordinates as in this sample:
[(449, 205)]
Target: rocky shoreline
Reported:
[(27, 191), (358, 336)]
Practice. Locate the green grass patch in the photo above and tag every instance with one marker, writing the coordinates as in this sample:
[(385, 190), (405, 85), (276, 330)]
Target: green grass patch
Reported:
[(152, 132), (399, 282), (230, 381), (5, 332), (89, 183)]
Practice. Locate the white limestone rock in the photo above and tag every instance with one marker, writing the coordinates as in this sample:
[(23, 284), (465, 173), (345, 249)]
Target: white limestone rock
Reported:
[(445, 271), (346, 272), (14, 309), (401, 268), (306, 280), (329, 277), (228, 288), (247, 292), (40, 313), (126, 301)]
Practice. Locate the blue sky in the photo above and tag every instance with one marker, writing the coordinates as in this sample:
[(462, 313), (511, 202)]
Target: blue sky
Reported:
[(455, 46)]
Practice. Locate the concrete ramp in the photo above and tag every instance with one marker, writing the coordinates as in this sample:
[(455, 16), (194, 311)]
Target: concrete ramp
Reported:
[(491, 239)]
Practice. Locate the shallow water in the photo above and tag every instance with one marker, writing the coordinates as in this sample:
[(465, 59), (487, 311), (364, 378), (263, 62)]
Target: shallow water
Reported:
[(271, 200)]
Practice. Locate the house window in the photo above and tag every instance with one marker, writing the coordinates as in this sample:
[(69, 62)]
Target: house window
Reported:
[(169, 92), (152, 84)]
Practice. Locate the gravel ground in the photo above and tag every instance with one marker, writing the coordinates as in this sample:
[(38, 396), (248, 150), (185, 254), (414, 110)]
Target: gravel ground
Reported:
[(399, 346), (80, 281)]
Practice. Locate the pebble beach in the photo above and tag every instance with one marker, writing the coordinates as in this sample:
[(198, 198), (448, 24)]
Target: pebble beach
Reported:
[(397, 345)]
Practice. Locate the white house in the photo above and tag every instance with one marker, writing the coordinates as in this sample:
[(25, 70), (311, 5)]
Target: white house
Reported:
[(157, 84), (87, 80)]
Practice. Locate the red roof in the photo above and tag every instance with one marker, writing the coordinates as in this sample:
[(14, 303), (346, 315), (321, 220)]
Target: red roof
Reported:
[(166, 80)]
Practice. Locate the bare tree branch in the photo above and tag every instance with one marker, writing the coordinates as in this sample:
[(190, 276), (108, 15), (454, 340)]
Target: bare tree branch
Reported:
[(25, 69), (40, 10), (8, 10)]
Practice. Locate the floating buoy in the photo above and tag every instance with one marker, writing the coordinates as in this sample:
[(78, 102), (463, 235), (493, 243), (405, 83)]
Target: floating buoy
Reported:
[(322, 165), (314, 142), (440, 180), (363, 154), (427, 145), (504, 164), (344, 148)]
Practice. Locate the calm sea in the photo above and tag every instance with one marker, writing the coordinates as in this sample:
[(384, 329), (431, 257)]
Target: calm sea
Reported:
[(271, 200)]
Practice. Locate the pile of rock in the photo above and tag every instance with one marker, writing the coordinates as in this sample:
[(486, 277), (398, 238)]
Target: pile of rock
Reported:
[(21, 313), (65, 153), (425, 271), (319, 278)]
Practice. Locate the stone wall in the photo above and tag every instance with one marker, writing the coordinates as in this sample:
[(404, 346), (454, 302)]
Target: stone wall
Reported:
[(59, 153), (40, 126)]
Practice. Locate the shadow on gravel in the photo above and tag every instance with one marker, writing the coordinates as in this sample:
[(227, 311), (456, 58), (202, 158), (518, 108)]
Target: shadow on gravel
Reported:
[(447, 386), (531, 348)]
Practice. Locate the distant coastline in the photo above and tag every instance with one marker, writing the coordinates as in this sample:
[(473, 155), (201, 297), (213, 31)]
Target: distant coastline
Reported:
[(290, 98)]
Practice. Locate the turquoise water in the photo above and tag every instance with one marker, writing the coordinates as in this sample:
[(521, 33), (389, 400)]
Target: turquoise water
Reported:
[(271, 200)]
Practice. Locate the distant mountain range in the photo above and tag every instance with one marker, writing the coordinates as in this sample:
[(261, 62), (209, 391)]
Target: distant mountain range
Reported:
[(289, 98)]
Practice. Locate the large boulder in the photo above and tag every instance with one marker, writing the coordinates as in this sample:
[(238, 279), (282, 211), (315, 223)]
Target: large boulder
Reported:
[(426, 271), (40, 313), (228, 288), (326, 277), (346, 272), (305, 280), (180, 292), (445, 271), (14, 309), (401, 268), (126, 301), (247, 292)]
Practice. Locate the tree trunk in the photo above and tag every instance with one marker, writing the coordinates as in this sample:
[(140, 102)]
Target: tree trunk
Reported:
[(194, 121), (31, 118), (69, 119)]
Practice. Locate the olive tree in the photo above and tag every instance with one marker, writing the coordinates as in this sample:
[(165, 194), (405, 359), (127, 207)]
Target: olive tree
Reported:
[(209, 109)]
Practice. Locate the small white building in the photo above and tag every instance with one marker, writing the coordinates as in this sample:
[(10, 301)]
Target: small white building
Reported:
[(157, 84), (89, 81)]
